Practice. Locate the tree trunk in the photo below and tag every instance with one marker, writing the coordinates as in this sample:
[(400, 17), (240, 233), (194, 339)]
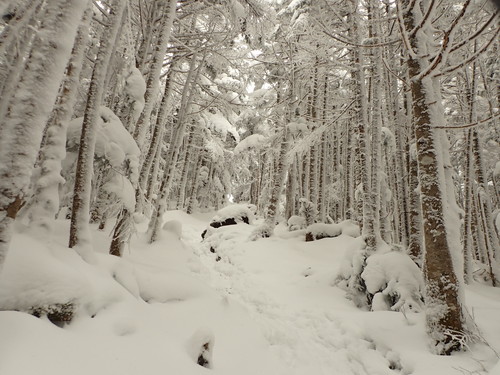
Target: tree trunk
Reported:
[(152, 83), (30, 108), (173, 151), (79, 229), (45, 204), (444, 316)]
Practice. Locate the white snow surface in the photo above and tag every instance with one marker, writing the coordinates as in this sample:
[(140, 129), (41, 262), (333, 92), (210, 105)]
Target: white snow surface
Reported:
[(266, 307)]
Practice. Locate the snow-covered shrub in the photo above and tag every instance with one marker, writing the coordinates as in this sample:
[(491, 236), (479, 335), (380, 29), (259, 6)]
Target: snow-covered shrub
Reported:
[(394, 281), (386, 280), (262, 231), (296, 223), (58, 313), (116, 156), (349, 277), (113, 142)]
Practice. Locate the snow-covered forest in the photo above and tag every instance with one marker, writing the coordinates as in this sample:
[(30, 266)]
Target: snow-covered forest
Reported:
[(249, 187)]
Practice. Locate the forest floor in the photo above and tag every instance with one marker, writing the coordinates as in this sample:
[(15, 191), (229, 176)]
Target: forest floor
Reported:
[(268, 307)]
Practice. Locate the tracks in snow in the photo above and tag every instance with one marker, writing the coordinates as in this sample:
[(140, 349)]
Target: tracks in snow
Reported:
[(306, 339)]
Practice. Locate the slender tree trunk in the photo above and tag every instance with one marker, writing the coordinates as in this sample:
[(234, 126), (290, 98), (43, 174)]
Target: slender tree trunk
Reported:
[(156, 139), (492, 243), (277, 185), (185, 167), (152, 83), (194, 188), (79, 229), (467, 236), (415, 245), (173, 151)]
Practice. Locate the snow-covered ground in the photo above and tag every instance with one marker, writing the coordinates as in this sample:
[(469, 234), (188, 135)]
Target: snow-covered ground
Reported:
[(268, 307)]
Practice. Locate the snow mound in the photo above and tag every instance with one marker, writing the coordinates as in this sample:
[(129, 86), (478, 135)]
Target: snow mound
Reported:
[(238, 212), (321, 230), (174, 227), (38, 279), (296, 223), (39, 276), (395, 282)]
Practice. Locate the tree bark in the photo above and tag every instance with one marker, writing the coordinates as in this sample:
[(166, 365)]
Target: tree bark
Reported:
[(444, 316)]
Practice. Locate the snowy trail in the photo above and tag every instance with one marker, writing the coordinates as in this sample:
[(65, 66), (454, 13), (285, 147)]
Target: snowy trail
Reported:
[(274, 282)]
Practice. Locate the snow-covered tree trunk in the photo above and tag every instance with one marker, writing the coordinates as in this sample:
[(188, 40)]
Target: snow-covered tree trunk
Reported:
[(146, 35), (291, 187), (16, 40), (195, 185), (322, 201), (372, 198), (335, 174), (491, 238), (30, 107), (165, 110), (79, 229), (467, 229), (142, 126), (415, 245), (444, 316), (347, 178), (45, 203), (188, 154), (174, 148), (361, 116), (479, 241), (400, 169), (278, 183), (313, 153), (469, 176), (305, 181)]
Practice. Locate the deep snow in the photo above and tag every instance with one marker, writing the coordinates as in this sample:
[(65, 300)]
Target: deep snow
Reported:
[(268, 307)]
